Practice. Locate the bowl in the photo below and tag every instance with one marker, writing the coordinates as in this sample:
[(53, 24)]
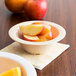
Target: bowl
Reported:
[(36, 47), (25, 64)]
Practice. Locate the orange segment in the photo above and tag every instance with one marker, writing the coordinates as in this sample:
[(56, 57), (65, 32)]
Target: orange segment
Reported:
[(13, 72)]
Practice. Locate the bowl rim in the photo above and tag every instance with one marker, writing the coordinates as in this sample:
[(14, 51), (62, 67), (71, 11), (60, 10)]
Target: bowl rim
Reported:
[(14, 29), (26, 64)]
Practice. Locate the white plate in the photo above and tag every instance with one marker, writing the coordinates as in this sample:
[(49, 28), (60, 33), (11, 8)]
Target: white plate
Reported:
[(27, 65)]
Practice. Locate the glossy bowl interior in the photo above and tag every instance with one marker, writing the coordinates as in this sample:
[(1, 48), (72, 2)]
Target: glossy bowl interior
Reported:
[(27, 65), (36, 47)]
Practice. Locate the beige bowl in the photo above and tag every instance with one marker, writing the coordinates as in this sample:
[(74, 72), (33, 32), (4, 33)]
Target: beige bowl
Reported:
[(36, 47)]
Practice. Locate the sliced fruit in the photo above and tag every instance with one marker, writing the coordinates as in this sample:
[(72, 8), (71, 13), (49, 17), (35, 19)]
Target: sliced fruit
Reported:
[(49, 35), (46, 29), (13, 72), (42, 38), (38, 23), (54, 31), (31, 38), (32, 29), (46, 37)]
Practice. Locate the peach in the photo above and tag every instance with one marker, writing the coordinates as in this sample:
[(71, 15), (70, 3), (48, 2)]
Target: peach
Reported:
[(46, 37), (46, 30), (16, 6), (42, 38), (49, 36), (31, 29), (31, 38)]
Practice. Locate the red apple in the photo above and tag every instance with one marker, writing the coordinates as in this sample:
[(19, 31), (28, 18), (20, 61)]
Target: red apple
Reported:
[(36, 9), (31, 29), (31, 38)]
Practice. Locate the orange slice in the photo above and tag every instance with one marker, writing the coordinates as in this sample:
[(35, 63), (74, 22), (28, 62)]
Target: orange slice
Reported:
[(13, 72)]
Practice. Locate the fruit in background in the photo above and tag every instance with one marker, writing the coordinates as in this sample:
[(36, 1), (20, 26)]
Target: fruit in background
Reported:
[(31, 29), (31, 38), (35, 9), (13, 72), (47, 28), (16, 6)]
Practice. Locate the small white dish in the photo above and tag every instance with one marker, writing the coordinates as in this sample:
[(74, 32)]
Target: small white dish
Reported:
[(36, 47), (27, 65)]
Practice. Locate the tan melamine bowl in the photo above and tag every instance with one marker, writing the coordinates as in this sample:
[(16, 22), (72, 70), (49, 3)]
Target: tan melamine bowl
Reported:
[(36, 47)]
